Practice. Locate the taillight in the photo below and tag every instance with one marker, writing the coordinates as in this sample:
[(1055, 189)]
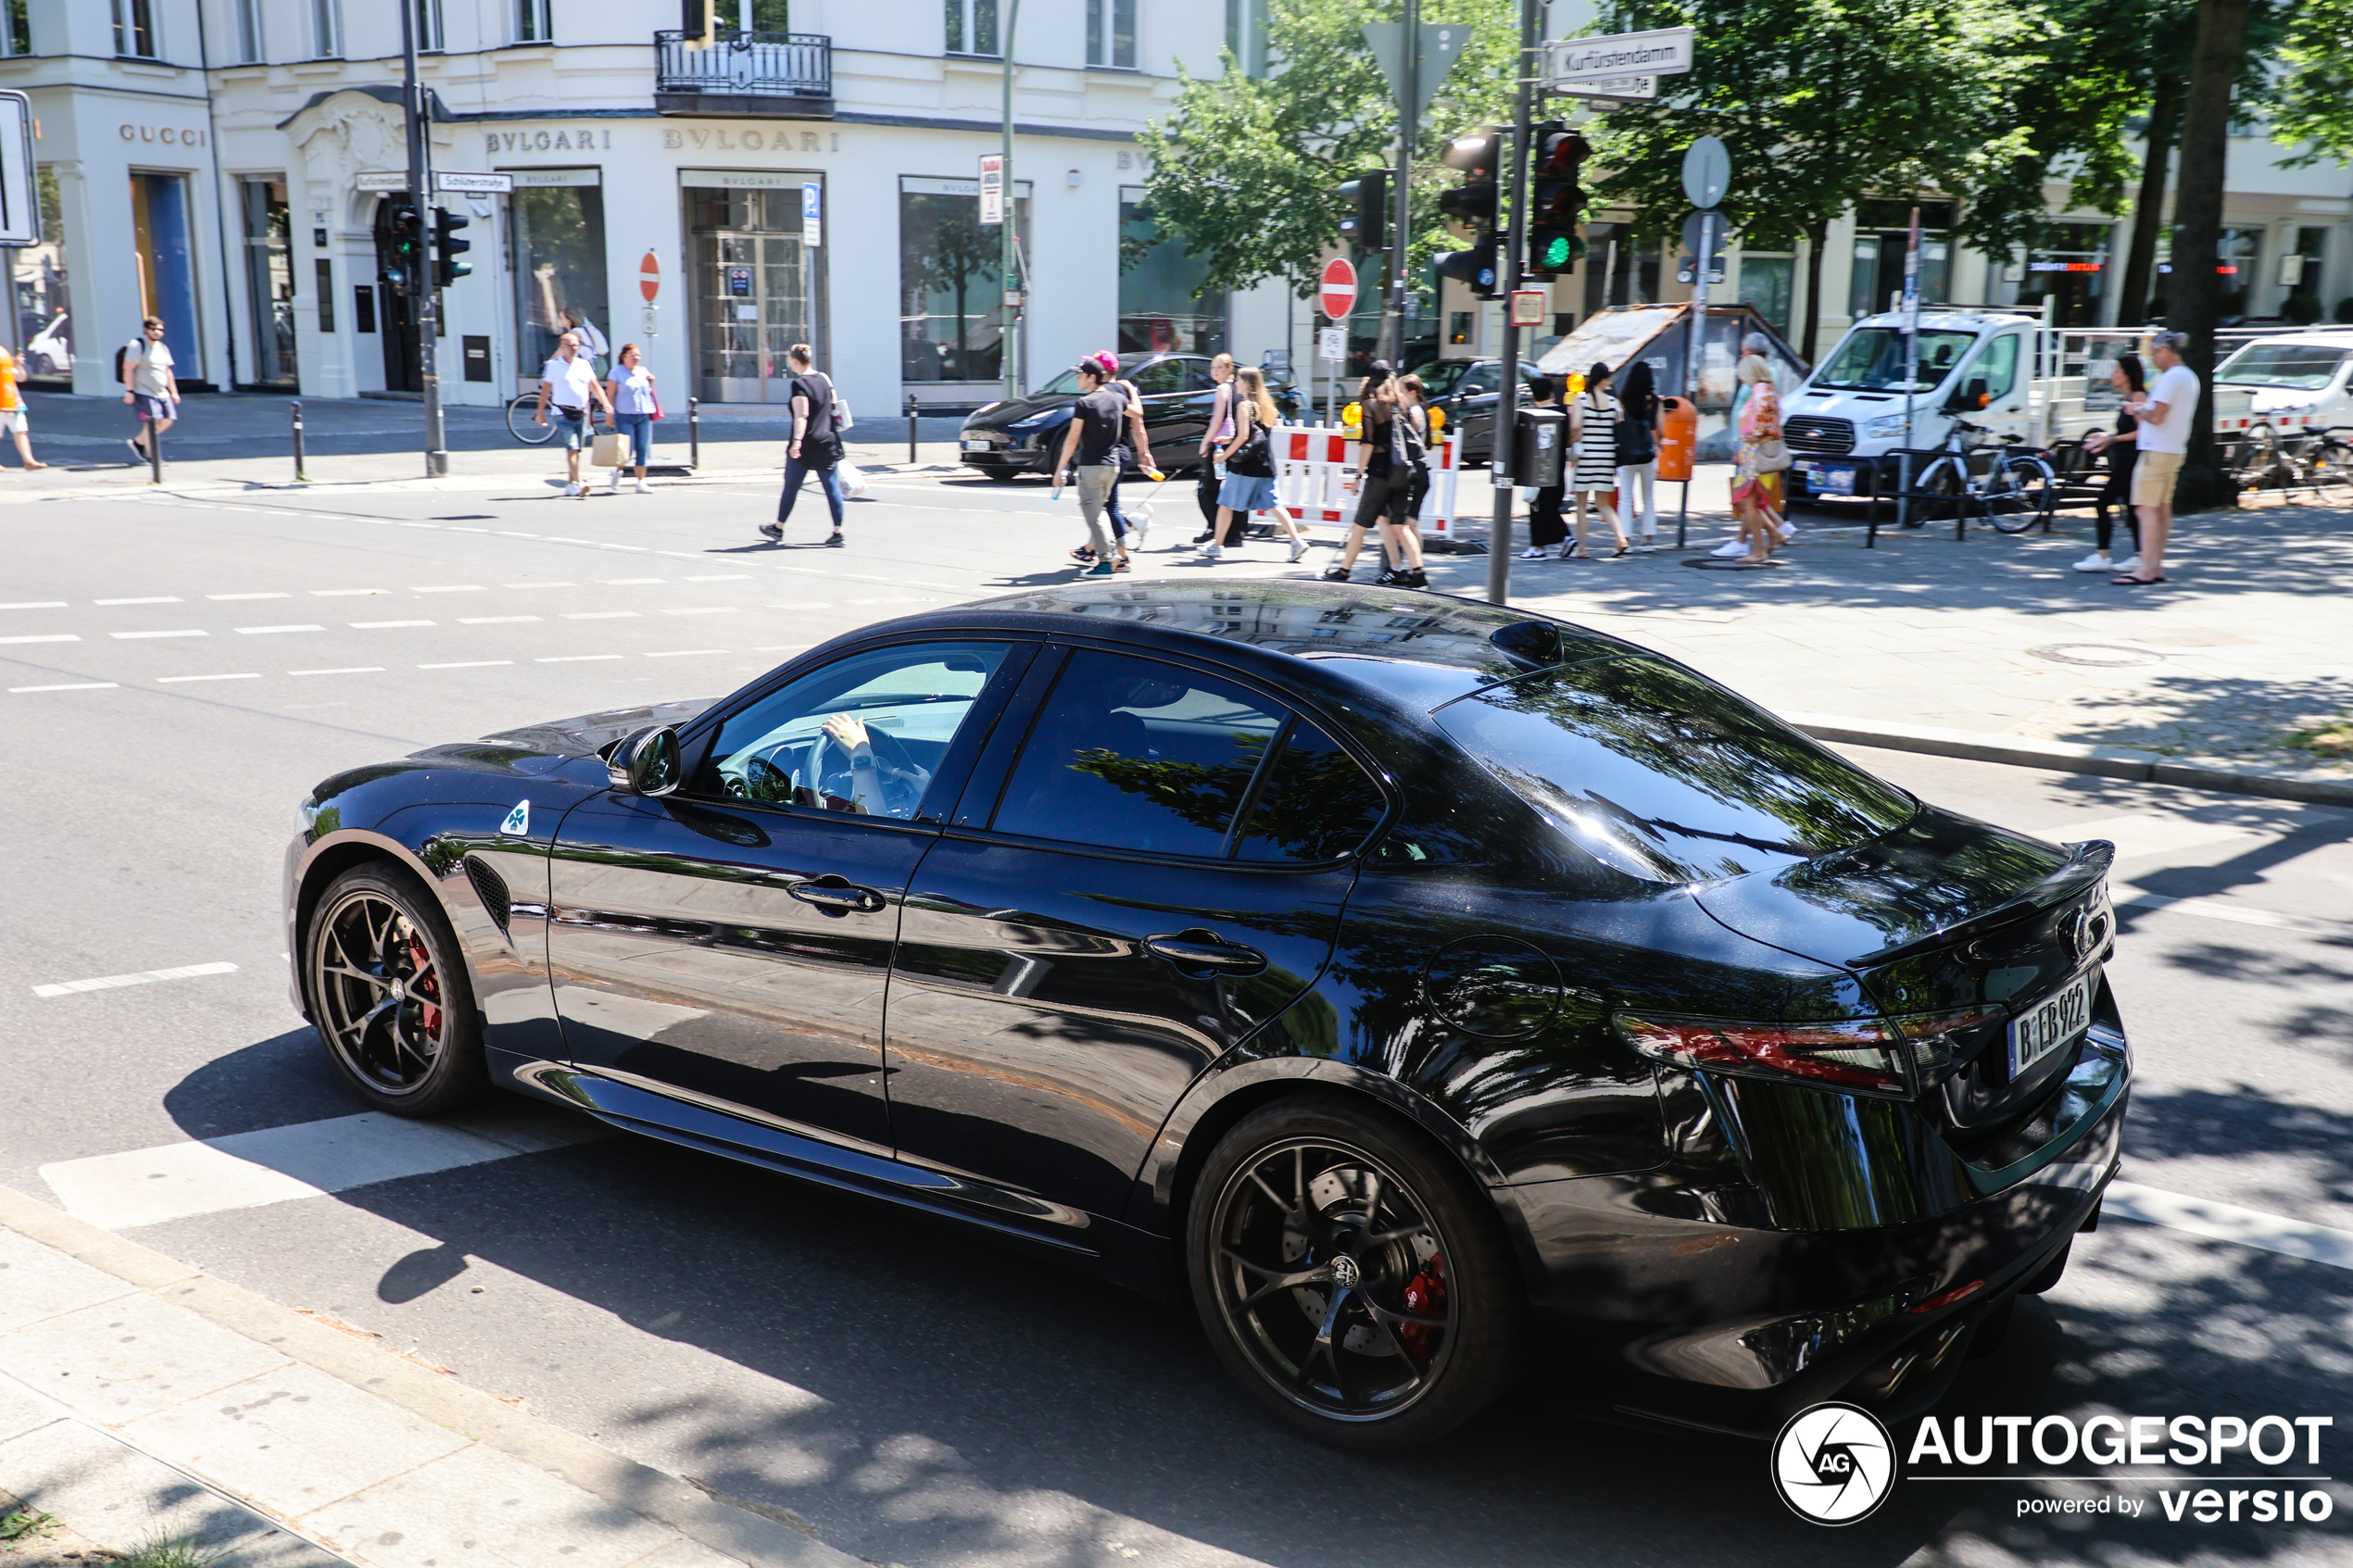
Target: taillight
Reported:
[(1890, 1056)]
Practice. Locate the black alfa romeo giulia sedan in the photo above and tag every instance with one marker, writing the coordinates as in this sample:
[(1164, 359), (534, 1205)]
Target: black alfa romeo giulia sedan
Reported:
[(1413, 985)]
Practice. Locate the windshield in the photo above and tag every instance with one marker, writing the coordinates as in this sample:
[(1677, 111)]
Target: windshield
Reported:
[(2305, 366), (1067, 385), (1872, 359), (1667, 776), (1440, 375)]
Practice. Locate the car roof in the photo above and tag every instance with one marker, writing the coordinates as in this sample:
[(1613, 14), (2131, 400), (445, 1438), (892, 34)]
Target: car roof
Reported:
[(1415, 648)]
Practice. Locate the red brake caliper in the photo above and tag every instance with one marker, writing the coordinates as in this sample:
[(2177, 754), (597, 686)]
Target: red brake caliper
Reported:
[(1425, 1297), (430, 987)]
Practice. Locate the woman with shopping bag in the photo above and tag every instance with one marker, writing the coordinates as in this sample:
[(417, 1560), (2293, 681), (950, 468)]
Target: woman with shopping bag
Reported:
[(636, 407)]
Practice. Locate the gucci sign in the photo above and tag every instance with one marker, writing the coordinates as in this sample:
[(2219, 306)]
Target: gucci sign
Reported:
[(169, 136)]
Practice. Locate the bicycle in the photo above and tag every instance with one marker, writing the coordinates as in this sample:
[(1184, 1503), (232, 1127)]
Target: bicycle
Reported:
[(2318, 460), (2014, 490), (521, 424)]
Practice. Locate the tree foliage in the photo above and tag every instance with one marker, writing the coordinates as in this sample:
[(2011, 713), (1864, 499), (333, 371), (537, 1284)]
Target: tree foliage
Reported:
[(2311, 99), (1243, 170)]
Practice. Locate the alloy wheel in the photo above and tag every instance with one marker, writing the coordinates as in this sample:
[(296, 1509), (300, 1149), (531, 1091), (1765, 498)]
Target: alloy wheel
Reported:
[(376, 982), (1331, 1276)]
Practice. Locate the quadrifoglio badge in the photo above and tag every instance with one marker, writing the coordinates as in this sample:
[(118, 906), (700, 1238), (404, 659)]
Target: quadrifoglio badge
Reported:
[(1836, 1463)]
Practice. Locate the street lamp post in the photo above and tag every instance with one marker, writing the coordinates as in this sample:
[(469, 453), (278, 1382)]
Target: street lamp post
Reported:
[(424, 308), (1008, 343)]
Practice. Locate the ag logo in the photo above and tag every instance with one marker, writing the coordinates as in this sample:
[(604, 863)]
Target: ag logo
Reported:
[(518, 821), (1833, 1464)]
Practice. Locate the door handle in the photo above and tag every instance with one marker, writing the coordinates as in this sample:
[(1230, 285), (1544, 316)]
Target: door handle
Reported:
[(838, 896), (1203, 953)]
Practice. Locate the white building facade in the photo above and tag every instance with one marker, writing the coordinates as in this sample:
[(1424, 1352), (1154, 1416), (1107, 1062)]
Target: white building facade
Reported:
[(713, 196)]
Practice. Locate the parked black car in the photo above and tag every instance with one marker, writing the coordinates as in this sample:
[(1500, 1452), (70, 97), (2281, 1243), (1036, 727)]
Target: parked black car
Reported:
[(1005, 440), (1409, 982), (1468, 391)]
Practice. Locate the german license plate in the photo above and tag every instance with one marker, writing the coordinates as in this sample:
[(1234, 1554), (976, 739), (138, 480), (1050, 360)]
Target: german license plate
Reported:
[(971, 445), (2050, 1024), (1831, 479)]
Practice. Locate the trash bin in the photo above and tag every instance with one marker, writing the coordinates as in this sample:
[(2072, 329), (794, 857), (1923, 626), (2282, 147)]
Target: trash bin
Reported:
[(1678, 437), (1539, 441)]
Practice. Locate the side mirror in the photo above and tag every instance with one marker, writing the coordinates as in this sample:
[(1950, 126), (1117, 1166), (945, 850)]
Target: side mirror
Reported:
[(646, 762), (1970, 399)]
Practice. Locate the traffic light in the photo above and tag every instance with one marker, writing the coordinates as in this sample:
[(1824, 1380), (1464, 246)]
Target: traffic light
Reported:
[(1473, 203), (1364, 220), (447, 247), (1557, 199), (400, 257)]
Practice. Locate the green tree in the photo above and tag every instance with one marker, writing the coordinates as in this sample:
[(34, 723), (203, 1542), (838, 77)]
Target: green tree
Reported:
[(1822, 102), (2311, 100), (1243, 169)]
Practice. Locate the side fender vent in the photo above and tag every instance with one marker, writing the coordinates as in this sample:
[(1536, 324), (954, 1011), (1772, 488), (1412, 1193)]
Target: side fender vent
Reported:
[(491, 888)]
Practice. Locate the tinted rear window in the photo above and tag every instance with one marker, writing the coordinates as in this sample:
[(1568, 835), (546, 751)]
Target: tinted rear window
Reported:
[(1667, 776)]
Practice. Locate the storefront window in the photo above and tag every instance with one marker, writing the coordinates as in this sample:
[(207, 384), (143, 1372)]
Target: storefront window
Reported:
[(167, 270), (45, 338), (269, 281), (1767, 282), (950, 281), (557, 224), (757, 288), (2068, 266), (1162, 307)]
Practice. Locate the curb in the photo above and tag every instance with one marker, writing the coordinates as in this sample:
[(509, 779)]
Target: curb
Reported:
[(2069, 757), (666, 1500)]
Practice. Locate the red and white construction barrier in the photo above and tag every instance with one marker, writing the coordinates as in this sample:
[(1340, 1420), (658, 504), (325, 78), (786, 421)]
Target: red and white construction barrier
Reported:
[(1311, 466)]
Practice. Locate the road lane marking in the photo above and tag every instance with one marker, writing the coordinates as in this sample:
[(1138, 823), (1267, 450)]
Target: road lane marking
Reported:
[(71, 686), (572, 658), (540, 584), (345, 592), (467, 664), (2239, 914), (175, 680), (265, 630), (381, 625), (222, 597), (155, 599), (134, 637), (45, 637), (178, 1181), (2226, 1222), (349, 670), (144, 977), (37, 603), (449, 589), (494, 620), (601, 615)]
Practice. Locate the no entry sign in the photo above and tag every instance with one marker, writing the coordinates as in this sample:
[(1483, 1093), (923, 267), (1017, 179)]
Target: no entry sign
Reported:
[(649, 277), (1338, 295)]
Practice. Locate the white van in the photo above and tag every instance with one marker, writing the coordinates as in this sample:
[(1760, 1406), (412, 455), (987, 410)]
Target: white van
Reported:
[(2002, 371), (2294, 382)]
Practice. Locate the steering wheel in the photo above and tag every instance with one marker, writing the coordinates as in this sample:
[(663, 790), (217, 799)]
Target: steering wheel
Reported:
[(903, 781)]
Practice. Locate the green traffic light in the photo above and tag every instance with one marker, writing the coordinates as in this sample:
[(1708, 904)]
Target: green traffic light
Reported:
[(1556, 251)]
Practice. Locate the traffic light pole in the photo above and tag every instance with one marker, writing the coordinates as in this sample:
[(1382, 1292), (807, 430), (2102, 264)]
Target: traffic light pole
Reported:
[(1503, 452), (424, 313), (1008, 332), (1409, 136)]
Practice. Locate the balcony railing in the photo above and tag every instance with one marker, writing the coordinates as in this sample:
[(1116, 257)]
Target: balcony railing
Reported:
[(746, 65)]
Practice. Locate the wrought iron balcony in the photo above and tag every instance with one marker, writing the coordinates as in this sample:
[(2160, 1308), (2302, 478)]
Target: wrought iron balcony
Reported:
[(768, 75)]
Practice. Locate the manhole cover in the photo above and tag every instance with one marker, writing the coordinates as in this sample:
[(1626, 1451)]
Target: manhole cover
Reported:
[(2105, 656)]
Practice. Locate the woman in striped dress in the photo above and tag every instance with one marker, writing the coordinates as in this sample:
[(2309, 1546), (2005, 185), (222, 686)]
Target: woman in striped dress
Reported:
[(1592, 431)]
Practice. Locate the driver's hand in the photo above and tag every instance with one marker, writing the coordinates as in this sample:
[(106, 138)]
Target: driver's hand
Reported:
[(849, 732)]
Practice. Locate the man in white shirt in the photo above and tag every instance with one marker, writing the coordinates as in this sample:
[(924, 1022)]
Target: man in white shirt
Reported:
[(2165, 412), (148, 384), (568, 381)]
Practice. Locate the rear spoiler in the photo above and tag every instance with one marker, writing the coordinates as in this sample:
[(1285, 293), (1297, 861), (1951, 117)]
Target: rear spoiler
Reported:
[(2086, 866)]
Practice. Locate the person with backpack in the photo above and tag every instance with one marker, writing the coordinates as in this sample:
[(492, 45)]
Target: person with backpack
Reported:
[(1250, 469), (816, 445), (143, 367), (1638, 451), (1090, 458)]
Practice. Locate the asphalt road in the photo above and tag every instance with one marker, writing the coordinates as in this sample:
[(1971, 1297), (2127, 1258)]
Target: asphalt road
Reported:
[(175, 675)]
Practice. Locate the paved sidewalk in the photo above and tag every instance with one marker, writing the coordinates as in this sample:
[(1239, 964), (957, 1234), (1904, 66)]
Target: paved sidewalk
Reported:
[(141, 1399)]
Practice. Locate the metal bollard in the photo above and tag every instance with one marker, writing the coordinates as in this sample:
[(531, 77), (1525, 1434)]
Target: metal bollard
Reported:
[(300, 477), (694, 433), (910, 429), (155, 453)]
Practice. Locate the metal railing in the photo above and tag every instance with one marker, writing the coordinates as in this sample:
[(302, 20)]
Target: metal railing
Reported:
[(784, 65)]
